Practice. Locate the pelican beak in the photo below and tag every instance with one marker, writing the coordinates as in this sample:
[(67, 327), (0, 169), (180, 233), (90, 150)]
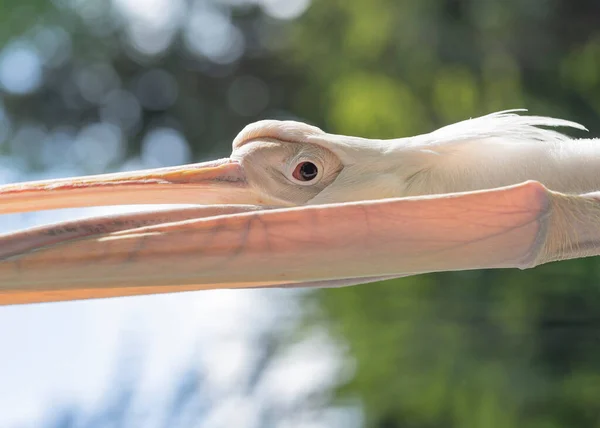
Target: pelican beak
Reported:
[(216, 182)]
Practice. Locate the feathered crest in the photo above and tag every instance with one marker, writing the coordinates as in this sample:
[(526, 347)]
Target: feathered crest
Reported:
[(510, 127)]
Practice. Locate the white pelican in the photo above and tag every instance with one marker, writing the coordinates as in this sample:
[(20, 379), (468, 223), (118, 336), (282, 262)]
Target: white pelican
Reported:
[(295, 206)]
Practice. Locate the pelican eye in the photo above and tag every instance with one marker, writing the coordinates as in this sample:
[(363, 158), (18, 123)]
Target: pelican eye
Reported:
[(305, 171)]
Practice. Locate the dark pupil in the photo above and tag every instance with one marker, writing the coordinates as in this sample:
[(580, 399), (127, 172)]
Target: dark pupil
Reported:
[(308, 171)]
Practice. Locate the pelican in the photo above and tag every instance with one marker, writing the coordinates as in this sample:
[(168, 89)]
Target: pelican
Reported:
[(294, 206)]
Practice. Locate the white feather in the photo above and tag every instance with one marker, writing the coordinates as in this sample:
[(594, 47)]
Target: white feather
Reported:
[(501, 149), (510, 127)]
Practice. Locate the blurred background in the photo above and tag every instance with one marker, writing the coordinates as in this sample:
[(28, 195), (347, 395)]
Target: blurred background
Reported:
[(90, 86)]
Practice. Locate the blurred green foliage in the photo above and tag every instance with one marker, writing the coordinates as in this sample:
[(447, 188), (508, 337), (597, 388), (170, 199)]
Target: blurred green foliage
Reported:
[(467, 349), (480, 349)]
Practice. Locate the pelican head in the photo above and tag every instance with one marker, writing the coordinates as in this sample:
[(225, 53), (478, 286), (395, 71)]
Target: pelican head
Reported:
[(287, 163), (292, 163), (273, 163), (296, 206)]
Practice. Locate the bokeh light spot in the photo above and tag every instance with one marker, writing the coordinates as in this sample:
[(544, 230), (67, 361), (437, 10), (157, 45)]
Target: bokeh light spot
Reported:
[(152, 24), (20, 68), (57, 143), (285, 9), (211, 34), (27, 141), (97, 146), (165, 147)]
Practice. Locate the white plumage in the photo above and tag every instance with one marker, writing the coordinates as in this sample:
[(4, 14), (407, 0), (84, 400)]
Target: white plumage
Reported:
[(501, 149)]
